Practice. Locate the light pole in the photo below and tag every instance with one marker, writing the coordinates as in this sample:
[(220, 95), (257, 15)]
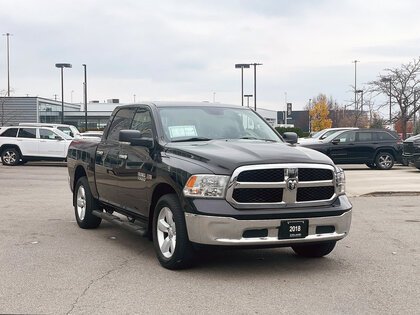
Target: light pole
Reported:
[(255, 83), (242, 66), (247, 98), (390, 104), (415, 105), (8, 63), (361, 100), (62, 66), (85, 95), (355, 86), (309, 116)]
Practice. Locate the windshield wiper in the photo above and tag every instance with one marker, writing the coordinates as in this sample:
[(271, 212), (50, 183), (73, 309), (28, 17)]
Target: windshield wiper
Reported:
[(193, 139)]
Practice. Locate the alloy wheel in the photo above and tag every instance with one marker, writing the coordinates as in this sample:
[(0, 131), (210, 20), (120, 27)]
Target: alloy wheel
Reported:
[(166, 232), (9, 157), (81, 202)]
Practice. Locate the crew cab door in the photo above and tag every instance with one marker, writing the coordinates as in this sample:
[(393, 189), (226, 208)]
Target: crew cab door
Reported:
[(108, 163), (137, 173), (51, 144)]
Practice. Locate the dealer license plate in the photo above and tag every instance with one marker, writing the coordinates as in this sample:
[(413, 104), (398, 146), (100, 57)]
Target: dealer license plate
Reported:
[(293, 229)]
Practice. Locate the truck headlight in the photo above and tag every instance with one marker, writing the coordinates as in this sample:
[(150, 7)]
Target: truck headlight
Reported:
[(340, 181), (206, 186)]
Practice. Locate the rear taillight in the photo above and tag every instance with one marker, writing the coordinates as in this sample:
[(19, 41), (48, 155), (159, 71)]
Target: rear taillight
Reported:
[(400, 142)]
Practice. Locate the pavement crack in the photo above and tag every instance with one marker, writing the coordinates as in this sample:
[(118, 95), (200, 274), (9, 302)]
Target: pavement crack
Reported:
[(93, 281)]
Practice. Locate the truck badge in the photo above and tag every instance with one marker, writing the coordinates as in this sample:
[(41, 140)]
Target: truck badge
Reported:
[(291, 175)]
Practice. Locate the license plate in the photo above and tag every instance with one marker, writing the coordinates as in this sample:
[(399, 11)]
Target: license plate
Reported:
[(293, 229)]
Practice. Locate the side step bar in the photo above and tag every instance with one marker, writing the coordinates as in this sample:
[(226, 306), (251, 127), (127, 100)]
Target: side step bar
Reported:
[(135, 228)]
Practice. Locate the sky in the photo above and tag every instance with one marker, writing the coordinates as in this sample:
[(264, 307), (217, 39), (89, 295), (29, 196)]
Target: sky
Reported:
[(186, 50)]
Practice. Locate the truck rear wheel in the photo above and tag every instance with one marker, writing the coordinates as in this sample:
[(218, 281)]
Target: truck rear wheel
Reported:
[(84, 204), (170, 238), (314, 250)]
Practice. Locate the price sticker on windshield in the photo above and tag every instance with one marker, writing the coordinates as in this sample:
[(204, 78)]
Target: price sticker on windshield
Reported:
[(182, 131)]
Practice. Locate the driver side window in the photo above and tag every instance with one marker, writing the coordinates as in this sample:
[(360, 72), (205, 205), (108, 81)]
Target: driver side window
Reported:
[(347, 137)]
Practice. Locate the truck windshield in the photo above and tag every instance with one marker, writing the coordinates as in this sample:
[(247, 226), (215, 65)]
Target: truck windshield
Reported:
[(208, 123)]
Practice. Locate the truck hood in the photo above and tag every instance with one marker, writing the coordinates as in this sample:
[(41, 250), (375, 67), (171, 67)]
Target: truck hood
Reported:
[(224, 156)]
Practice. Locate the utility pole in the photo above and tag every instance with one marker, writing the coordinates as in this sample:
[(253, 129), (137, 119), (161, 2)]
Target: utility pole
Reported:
[(8, 63), (247, 98), (309, 116), (255, 83), (285, 112), (355, 86), (85, 96)]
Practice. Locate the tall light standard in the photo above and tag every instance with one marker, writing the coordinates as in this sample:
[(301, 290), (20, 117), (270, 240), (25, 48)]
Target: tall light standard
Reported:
[(85, 95), (355, 86), (309, 116), (247, 98), (390, 90), (255, 83), (415, 105), (62, 66), (8, 63), (242, 66)]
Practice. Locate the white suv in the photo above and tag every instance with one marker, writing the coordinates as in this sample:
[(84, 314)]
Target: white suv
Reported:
[(27, 143), (69, 130)]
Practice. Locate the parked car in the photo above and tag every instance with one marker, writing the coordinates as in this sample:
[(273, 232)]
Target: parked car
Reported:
[(377, 148), (89, 134), (321, 135), (69, 130), (411, 153), (26, 143), (207, 174)]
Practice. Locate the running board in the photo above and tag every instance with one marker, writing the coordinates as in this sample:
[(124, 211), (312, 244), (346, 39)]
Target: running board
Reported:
[(135, 228)]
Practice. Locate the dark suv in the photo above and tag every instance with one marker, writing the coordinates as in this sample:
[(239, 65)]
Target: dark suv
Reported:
[(412, 151), (377, 148)]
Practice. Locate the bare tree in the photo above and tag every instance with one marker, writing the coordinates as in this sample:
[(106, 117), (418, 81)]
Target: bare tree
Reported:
[(401, 85)]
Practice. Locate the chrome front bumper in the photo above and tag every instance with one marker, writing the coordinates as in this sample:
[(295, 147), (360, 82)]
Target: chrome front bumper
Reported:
[(212, 230)]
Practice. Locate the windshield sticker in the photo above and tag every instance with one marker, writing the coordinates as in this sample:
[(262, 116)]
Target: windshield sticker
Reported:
[(182, 131)]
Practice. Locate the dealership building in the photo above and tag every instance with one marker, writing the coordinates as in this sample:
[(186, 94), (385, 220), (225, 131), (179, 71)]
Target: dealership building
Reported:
[(15, 110)]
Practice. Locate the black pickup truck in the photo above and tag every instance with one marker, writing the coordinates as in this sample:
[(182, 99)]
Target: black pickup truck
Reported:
[(412, 151), (193, 174)]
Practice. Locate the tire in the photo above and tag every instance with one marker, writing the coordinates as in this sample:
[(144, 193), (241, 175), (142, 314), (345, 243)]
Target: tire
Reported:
[(170, 238), (384, 161), (314, 250), (371, 165), (84, 204), (10, 157)]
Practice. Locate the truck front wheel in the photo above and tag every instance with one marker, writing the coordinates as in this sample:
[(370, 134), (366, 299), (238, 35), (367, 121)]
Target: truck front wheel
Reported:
[(170, 237), (314, 250), (84, 204)]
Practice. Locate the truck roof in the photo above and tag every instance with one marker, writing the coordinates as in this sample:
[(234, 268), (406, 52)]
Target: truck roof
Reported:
[(160, 104)]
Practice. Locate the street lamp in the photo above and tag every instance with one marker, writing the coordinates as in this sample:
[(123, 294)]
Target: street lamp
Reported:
[(85, 95), (242, 66), (62, 66), (355, 87), (255, 83), (247, 98), (361, 104), (8, 63), (390, 104)]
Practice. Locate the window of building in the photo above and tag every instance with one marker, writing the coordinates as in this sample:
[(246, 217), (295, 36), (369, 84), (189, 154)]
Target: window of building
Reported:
[(27, 133)]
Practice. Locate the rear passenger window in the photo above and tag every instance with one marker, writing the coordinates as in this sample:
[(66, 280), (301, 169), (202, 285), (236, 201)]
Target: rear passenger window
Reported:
[(11, 132), (385, 136), (27, 133), (366, 136)]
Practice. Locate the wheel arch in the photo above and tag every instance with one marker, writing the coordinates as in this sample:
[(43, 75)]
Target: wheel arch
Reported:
[(160, 190), (386, 149), (79, 172), (9, 146)]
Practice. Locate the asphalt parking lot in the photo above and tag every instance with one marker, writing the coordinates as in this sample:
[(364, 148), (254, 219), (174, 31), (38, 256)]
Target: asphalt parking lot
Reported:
[(48, 265)]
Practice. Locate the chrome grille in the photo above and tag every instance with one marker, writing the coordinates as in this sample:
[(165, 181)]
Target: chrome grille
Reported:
[(281, 185)]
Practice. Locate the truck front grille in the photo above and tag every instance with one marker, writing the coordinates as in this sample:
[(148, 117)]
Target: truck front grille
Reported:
[(314, 193), (262, 195), (281, 185)]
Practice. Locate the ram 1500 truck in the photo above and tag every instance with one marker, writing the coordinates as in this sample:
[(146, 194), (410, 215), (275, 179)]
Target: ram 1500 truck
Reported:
[(193, 174)]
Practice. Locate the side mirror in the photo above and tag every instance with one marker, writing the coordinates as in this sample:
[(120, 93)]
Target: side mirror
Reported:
[(134, 137), (335, 141), (290, 137)]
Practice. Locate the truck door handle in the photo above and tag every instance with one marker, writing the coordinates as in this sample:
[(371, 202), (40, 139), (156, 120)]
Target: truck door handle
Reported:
[(99, 152), (123, 156)]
